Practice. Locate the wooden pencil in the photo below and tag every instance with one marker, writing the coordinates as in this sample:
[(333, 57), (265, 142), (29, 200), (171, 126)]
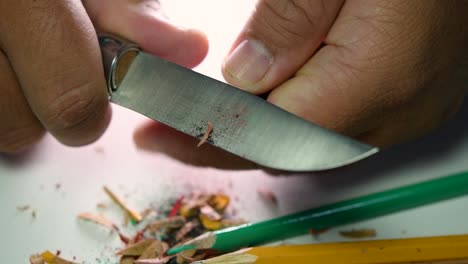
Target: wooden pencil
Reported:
[(440, 250), (332, 215)]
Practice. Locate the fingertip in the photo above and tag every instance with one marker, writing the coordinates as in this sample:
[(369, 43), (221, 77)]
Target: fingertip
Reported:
[(186, 47), (198, 49)]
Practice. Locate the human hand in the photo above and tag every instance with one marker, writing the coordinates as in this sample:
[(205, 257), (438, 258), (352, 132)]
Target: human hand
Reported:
[(381, 71), (51, 76)]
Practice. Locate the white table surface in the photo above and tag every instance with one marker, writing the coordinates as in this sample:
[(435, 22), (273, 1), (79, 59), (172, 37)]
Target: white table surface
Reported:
[(81, 172)]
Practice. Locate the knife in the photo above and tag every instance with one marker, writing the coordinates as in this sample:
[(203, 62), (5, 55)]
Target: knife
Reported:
[(243, 124)]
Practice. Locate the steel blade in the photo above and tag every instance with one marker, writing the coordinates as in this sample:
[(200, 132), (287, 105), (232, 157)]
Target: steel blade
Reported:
[(243, 124)]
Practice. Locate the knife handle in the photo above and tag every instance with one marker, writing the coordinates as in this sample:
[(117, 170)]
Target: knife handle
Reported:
[(117, 56)]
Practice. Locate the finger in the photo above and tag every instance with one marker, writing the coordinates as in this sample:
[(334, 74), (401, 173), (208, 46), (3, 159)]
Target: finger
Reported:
[(277, 40), (367, 69), (19, 127), (143, 23), (157, 137), (54, 51), (416, 120)]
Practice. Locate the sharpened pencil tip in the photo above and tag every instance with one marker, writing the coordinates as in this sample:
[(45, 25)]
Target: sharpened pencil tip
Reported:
[(179, 249)]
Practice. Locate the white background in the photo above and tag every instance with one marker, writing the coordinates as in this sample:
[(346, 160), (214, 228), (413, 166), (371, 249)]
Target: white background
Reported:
[(143, 177)]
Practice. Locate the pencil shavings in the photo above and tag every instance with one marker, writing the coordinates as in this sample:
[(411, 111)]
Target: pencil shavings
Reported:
[(152, 261), (187, 228), (359, 233), (23, 208), (154, 250), (233, 259), (127, 260), (219, 202), (192, 206), (170, 222), (147, 212), (50, 258), (137, 249), (134, 215), (190, 256), (98, 219), (205, 137), (210, 224), (36, 259), (188, 217), (210, 213)]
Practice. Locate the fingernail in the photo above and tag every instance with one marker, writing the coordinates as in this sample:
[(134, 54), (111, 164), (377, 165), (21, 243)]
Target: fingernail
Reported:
[(249, 62)]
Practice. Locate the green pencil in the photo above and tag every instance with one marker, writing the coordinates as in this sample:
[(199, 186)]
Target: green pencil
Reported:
[(332, 215)]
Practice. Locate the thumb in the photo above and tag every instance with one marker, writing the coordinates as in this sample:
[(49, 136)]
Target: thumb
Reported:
[(278, 39)]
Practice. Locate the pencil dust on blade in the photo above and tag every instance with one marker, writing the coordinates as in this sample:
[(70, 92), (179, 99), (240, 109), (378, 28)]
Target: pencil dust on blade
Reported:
[(243, 124)]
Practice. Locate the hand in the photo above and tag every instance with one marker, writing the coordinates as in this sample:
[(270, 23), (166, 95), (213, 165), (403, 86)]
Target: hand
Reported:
[(381, 71), (51, 76)]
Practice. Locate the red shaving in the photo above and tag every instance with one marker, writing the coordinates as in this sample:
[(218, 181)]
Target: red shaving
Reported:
[(176, 207), (209, 128), (138, 237), (124, 239)]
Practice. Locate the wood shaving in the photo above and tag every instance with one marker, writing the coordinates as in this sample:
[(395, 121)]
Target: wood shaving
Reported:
[(147, 212), (210, 224), (23, 208), (135, 250), (185, 256), (154, 250), (152, 261), (34, 213), (127, 260), (36, 259), (192, 206), (189, 226), (210, 213), (51, 258), (206, 212), (205, 137), (134, 215), (102, 206), (219, 202), (170, 222), (359, 233), (98, 219)]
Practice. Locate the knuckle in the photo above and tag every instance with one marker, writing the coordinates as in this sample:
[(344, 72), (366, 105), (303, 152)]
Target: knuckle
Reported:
[(17, 139), (74, 109), (288, 21)]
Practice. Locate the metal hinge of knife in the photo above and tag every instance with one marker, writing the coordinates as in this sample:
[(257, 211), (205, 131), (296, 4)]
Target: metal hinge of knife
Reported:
[(243, 124)]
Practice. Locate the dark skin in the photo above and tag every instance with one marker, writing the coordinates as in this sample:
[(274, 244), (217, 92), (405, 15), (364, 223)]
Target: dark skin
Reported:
[(383, 72), (51, 72)]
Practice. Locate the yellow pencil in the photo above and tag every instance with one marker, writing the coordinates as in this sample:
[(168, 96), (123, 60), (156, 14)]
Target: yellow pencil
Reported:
[(440, 250)]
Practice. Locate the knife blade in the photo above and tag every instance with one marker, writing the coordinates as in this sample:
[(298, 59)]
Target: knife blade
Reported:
[(243, 124)]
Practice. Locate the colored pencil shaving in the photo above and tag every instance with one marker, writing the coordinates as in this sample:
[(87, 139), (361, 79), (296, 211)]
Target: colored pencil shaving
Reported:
[(332, 215), (205, 137), (134, 215), (358, 233), (440, 250), (98, 219), (179, 223), (49, 258)]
